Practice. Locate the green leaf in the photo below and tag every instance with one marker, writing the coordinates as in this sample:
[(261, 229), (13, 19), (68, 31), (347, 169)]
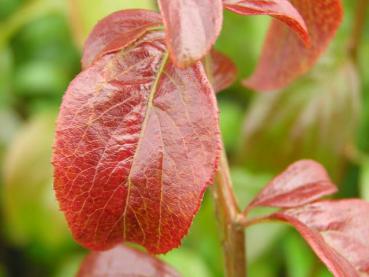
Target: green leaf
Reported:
[(31, 213), (315, 119), (40, 78), (6, 67), (187, 262)]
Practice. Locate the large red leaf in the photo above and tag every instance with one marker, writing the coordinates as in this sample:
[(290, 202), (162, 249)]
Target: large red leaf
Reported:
[(337, 231), (123, 261), (116, 31), (282, 10), (301, 183), (284, 56), (137, 143), (192, 27), (221, 71)]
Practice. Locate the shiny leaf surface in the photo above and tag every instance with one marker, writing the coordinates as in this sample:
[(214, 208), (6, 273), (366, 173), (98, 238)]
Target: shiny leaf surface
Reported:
[(284, 56), (301, 183), (191, 27), (282, 10), (337, 231), (116, 31), (123, 261), (133, 154)]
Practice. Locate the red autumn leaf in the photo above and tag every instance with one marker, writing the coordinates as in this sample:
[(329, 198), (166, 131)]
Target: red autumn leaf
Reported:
[(220, 69), (124, 261), (191, 27), (302, 182), (284, 56), (133, 153), (116, 31), (337, 231), (282, 10)]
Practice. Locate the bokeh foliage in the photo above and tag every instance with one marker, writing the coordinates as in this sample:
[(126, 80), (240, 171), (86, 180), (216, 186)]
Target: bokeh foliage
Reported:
[(324, 115)]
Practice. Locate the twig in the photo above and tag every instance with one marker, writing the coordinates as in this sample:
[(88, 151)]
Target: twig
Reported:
[(228, 213), (358, 28)]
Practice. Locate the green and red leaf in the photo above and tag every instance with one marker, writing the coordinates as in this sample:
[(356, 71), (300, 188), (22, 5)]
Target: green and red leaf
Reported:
[(133, 154), (284, 56), (191, 27), (124, 261)]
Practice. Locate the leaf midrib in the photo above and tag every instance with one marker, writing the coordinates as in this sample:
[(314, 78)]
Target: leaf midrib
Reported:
[(143, 129)]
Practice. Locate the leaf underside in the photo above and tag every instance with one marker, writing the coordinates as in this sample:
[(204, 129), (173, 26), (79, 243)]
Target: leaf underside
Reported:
[(124, 261), (133, 153), (302, 182), (191, 28), (337, 231), (281, 10)]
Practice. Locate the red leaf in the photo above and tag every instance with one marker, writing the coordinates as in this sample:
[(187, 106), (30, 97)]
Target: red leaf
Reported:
[(116, 31), (284, 57), (337, 231), (124, 261), (220, 69), (137, 144), (192, 27), (302, 182), (282, 10)]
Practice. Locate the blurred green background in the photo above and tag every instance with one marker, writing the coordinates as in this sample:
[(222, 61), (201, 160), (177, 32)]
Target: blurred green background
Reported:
[(324, 115)]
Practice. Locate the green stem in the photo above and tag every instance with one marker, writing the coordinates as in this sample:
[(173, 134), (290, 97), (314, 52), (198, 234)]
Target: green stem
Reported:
[(228, 213), (358, 28)]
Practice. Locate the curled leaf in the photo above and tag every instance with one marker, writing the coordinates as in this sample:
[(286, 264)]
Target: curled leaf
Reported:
[(284, 56), (221, 71), (337, 231), (116, 31), (191, 28), (282, 10), (302, 182), (124, 261), (137, 144)]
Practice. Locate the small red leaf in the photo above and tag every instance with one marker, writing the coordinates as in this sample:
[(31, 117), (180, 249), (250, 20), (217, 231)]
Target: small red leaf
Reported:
[(192, 27), (337, 231), (137, 144), (116, 31), (282, 10), (284, 56), (220, 69), (124, 261), (302, 182)]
